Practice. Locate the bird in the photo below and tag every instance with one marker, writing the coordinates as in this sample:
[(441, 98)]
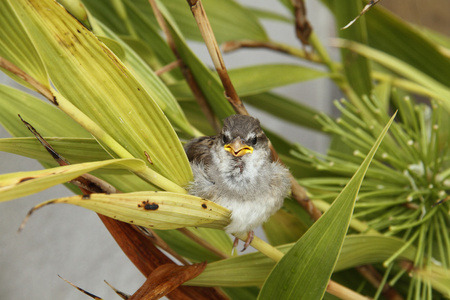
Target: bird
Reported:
[(235, 170)]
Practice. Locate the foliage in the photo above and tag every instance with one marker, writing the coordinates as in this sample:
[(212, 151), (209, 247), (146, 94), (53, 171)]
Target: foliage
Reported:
[(121, 117)]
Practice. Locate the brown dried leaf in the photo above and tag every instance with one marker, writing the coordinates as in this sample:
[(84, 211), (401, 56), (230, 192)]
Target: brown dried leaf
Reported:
[(146, 257), (166, 278), (82, 290)]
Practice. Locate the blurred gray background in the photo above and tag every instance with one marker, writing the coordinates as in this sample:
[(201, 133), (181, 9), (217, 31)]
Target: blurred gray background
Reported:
[(72, 242)]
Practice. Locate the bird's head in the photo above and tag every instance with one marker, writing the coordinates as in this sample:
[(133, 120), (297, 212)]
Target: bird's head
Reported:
[(242, 135)]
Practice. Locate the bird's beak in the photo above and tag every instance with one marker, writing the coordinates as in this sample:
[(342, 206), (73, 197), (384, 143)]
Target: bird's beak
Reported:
[(237, 148)]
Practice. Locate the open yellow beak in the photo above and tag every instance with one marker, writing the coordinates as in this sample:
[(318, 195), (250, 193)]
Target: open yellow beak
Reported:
[(237, 148)]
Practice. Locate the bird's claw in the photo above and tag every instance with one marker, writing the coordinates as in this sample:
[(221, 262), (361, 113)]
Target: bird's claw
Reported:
[(249, 240)]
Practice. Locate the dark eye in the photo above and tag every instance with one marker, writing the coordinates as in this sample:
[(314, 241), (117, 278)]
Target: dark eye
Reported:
[(225, 139), (253, 141)]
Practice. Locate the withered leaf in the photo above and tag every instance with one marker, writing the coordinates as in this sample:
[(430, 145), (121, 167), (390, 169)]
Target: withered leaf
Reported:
[(146, 257), (166, 278)]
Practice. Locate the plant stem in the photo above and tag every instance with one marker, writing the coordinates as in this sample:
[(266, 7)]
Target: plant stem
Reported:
[(263, 247), (279, 47), (354, 223), (343, 292)]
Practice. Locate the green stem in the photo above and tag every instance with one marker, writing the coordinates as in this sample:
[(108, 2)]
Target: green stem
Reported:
[(401, 250), (413, 224), (263, 247)]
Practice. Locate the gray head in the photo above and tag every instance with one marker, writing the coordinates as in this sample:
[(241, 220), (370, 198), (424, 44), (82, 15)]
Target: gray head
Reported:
[(242, 134)]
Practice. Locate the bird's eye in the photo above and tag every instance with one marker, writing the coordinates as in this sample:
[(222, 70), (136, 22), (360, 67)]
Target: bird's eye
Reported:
[(225, 139), (253, 141)]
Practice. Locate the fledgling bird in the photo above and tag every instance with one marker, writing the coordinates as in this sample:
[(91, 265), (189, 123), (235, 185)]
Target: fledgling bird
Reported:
[(235, 170)]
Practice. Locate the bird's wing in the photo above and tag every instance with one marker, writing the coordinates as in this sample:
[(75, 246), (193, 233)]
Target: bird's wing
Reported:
[(198, 149)]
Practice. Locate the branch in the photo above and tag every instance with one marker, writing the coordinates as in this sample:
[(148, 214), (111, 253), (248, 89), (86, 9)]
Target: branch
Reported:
[(271, 45), (303, 28), (213, 48)]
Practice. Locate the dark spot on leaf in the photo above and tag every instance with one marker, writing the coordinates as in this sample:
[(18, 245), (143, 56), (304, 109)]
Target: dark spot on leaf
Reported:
[(204, 205), (139, 89), (78, 31), (86, 197), (148, 206), (131, 221), (152, 206), (25, 179)]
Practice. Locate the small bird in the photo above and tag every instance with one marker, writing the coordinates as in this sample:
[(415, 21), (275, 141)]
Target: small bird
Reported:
[(235, 170)]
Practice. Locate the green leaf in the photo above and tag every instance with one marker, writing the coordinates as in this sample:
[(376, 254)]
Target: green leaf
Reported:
[(247, 293), (46, 118), (304, 272), (71, 140), (357, 68), (283, 228), (270, 15), (158, 210), (188, 248), (152, 84), (15, 185), (252, 269), (244, 26), (261, 78), (403, 68), (138, 29), (75, 150), (91, 77), (209, 84), (285, 109), (16, 47), (393, 36), (253, 80)]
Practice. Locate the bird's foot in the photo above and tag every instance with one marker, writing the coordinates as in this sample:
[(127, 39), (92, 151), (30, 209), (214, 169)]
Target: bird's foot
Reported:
[(249, 240)]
